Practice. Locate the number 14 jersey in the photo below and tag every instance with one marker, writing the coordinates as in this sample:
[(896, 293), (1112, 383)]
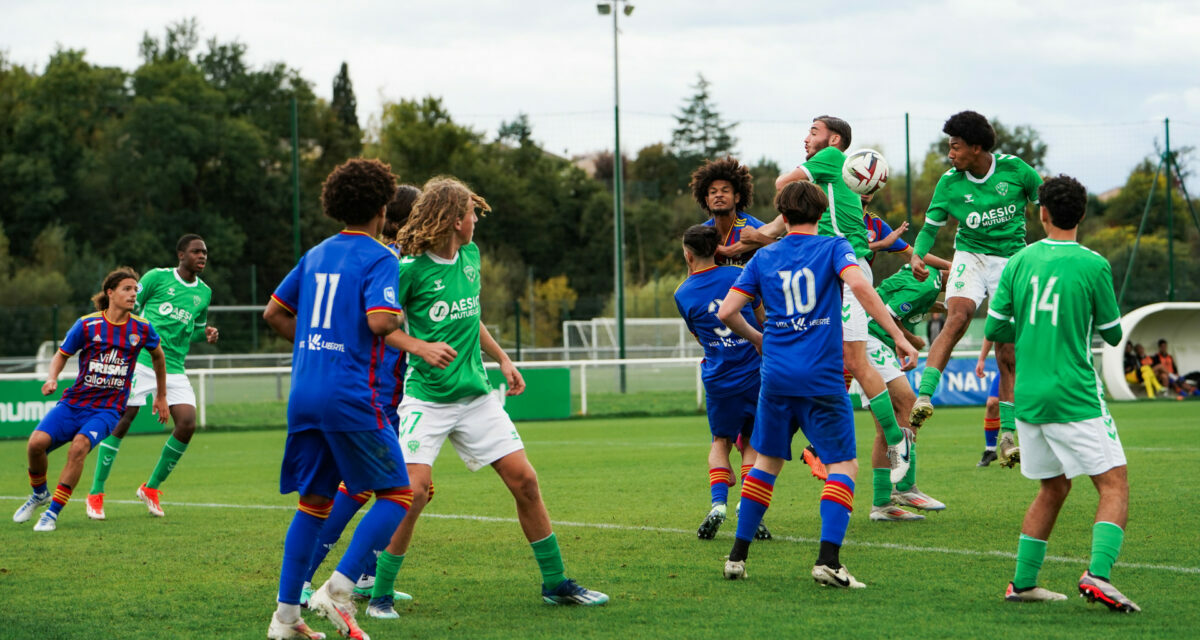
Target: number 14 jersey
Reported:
[(331, 291)]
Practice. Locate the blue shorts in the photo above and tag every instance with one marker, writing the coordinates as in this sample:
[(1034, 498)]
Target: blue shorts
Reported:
[(65, 421), (731, 416), (393, 419), (994, 390), (827, 422), (315, 461)]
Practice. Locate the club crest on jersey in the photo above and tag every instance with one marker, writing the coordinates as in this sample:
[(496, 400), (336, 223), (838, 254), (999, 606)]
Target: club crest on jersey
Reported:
[(139, 287), (905, 307), (196, 300), (134, 339), (850, 257), (1002, 188), (470, 272), (968, 197), (413, 445)]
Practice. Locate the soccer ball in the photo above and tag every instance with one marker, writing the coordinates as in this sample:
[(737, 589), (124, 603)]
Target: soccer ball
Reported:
[(865, 171)]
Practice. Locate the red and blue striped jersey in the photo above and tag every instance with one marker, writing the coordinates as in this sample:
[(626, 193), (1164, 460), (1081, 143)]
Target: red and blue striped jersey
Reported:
[(336, 357), (799, 281), (877, 229), (107, 355), (390, 374), (740, 221)]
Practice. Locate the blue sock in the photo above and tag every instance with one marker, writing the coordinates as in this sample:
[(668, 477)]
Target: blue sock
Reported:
[(375, 531), (756, 497), (298, 550), (344, 508), (837, 501), (719, 479)]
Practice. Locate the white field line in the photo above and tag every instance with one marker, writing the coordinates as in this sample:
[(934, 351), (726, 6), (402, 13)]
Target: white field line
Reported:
[(688, 532)]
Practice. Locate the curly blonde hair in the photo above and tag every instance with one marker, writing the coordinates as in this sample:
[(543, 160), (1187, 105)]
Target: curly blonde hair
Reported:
[(443, 201)]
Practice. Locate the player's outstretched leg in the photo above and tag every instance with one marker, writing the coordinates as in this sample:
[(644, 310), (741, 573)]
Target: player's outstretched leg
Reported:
[(297, 554), (1097, 589), (757, 488), (38, 498)]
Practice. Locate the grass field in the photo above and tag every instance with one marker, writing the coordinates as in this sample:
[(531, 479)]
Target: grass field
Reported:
[(627, 496)]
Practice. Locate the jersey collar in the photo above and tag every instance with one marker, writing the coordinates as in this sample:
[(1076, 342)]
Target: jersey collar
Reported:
[(104, 314), (1061, 242), (987, 176), (440, 260), (175, 272), (704, 270)]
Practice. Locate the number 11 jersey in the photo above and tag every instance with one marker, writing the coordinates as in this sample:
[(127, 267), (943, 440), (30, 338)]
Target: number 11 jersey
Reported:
[(335, 355)]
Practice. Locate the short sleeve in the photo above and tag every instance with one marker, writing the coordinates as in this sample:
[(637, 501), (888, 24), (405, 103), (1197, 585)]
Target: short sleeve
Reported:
[(1106, 315), (74, 340), (380, 283), (884, 231), (843, 256), (287, 294), (152, 338), (748, 283), (1031, 181), (752, 222), (145, 289), (202, 318), (404, 287), (937, 213), (687, 321), (999, 326), (821, 166)]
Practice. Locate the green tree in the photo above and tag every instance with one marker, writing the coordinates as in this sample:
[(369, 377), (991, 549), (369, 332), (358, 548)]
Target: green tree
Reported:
[(700, 132), (344, 104)]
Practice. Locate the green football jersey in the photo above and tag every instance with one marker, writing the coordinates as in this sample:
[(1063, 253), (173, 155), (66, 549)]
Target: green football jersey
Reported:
[(990, 210), (440, 299), (908, 298), (177, 310), (1056, 293), (845, 214)]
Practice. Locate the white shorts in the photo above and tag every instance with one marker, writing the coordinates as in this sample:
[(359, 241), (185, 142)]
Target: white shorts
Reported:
[(974, 276), (179, 388), (1085, 447), (883, 359), (478, 427), (854, 317)]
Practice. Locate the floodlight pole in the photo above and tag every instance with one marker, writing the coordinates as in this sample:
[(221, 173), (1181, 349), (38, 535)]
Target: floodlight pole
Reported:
[(295, 183), (618, 212), (1167, 160)]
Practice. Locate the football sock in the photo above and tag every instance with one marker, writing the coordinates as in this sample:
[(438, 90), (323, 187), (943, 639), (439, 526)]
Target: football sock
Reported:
[(828, 554), (1007, 416), (881, 406), (757, 488), (549, 561), (910, 477), (991, 428), (837, 501), (386, 568), (344, 508), (298, 550), (62, 493), (1106, 544), (171, 453), (375, 530), (745, 472), (719, 479), (1030, 554), (104, 460), (287, 613), (38, 483), (930, 378), (881, 485)]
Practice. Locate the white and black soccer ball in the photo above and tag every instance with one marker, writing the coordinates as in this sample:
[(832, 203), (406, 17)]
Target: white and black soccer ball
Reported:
[(865, 171)]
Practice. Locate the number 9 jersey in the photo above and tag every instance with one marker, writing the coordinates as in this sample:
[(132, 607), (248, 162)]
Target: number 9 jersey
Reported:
[(331, 291), (799, 281)]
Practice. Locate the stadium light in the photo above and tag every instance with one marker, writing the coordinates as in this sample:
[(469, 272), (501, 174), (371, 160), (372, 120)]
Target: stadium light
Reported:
[(605, 8)]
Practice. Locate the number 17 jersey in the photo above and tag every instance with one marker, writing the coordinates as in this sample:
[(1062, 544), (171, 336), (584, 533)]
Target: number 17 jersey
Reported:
[(334, 359)]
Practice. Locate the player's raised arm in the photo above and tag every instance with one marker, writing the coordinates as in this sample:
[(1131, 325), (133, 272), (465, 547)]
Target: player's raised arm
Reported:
[(873, 305)]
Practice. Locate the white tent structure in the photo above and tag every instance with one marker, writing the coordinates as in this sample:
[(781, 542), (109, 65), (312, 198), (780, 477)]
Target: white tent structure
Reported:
[(1177, 322)]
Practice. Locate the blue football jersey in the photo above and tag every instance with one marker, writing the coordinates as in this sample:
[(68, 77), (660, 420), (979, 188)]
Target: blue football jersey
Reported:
[(731, 363), (799, 281), (335, 358), (389, 375), (740, 221)]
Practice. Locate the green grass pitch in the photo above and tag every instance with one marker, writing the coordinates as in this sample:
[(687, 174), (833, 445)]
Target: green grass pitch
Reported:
[(627, 495)]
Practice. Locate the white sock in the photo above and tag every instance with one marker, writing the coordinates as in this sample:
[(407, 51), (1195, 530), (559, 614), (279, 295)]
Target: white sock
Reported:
[(989, 448), (339, 584), (287, 613), (365, 581)]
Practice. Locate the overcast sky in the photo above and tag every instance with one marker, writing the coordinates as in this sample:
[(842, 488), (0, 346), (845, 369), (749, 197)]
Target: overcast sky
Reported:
[(1095, 78)]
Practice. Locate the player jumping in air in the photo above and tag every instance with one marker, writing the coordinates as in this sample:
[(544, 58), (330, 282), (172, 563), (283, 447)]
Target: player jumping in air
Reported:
[(724, 188), (447, 394), (389, 382), (800, 280), (730, 369), (175, 301), (987, 193), (336, 305), (108, 343), (1050, 298), (825, 146)]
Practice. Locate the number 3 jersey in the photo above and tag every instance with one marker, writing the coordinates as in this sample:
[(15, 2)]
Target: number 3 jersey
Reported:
[(731, 363), (1055, 293), (441, 302), (335, 356), (799, 281)]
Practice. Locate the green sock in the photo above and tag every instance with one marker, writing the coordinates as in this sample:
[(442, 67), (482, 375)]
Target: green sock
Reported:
[(910, 477), (108, 453), (881, 406), (549, 560), (1106, 544), (881, 482), (171, 453), (1030, 554), (1008, 419), (386, 568), (930, 378)]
